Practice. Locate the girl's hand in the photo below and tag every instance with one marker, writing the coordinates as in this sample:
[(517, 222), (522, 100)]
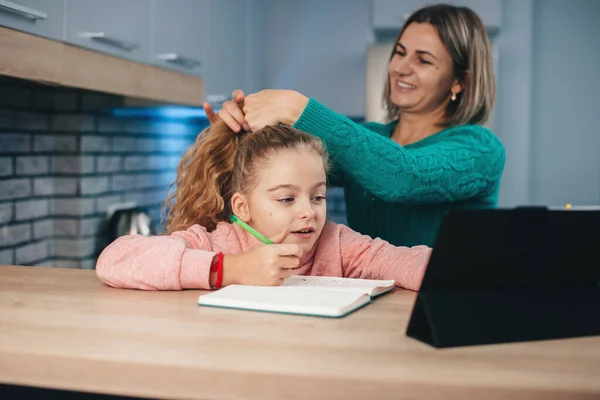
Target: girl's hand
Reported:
[(263, 264)]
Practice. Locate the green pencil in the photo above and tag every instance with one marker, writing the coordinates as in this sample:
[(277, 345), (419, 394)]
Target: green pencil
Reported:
[(250, 229)]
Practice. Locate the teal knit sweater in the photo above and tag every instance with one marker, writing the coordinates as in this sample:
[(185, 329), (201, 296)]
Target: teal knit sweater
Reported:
[(401, 193)]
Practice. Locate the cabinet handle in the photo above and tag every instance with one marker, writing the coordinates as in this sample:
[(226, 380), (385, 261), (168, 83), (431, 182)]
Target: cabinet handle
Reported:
[(109, 40), (23, 11), (175, 58)]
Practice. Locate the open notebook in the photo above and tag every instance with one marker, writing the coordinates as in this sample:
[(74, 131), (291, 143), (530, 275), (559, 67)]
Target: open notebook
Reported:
[(308, 295)]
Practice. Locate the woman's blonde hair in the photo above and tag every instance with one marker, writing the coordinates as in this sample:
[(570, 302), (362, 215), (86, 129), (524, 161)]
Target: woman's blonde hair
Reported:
[(221, 163), (463, 34)]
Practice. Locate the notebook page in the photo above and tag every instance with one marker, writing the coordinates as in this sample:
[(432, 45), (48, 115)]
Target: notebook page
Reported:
[(369, 286), (297, 300)]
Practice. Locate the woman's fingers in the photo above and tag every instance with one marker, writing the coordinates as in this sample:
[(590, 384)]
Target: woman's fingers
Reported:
[(210, 113)]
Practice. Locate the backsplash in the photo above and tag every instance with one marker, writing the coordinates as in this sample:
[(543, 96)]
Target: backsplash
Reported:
[(64, 162)]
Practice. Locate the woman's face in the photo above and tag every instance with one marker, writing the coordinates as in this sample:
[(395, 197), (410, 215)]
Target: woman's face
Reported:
[(421, 71)]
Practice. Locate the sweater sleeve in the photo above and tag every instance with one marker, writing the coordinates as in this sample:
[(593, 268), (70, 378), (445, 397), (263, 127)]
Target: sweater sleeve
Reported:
[(367, 258), (178, 261), (464, 165)]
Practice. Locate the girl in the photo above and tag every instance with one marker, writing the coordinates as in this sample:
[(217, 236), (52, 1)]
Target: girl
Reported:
[(274, 181)]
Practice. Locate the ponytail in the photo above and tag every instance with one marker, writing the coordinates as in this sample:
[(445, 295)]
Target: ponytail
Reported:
[(203, 187)]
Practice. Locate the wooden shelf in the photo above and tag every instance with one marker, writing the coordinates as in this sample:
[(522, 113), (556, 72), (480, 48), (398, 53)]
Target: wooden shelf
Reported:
[(31, 57)]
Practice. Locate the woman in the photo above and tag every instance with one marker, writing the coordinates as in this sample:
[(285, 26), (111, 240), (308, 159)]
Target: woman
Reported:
[(432, 156)]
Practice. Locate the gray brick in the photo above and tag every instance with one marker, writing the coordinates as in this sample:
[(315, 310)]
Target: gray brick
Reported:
[(88, 264), (32, 209), (74, 248), (91, 226), (15, 143), (15, 96), (43, 229), (108, 163), (32, 165), (65, 101), (94, 185), (174, 145), (73, 206), (43, 186), (67, 227), (27, 254), (66, 264), (103, 202), (7, 257), (94, 144), (140, 163), (145, 198), (130, 145), (87, 164), (91, 101), (139, 126), (43, 143), (6, 166), (66, 165), (109, 124), (52, 186), (173, 128), (11, 235), (66, 185), (44, 263), (73, 123), (31, 121), (6, 212), (171, 163), (73, 164), (55, 143), (15, 189), (146, 181), (42, 100), (165, 179), (123, 182)]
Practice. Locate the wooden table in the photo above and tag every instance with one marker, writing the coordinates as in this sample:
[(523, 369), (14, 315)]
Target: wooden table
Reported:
[(62, 328)]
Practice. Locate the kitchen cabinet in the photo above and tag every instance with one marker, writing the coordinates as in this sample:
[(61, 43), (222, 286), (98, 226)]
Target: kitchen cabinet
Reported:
[(391, 14), (117, 27), (39, 17), (180, 35)]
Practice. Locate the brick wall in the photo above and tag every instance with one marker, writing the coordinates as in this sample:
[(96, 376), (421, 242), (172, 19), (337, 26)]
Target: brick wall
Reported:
[(64, 161)]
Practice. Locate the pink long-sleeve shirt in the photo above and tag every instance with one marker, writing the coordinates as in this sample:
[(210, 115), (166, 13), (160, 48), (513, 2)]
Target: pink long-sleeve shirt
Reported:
[(182, 260)]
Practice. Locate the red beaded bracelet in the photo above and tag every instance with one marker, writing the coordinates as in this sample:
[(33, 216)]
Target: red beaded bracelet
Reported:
[(218, 268)]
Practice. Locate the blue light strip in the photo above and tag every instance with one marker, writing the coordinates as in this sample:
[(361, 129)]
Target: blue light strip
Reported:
[(167, 112)]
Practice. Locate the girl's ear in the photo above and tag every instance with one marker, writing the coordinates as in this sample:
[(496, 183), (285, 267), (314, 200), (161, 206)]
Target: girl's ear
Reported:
[(239, 207)]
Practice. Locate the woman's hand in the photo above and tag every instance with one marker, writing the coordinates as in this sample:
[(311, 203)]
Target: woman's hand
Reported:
[(263, 264), (267, 107), (230, 112)]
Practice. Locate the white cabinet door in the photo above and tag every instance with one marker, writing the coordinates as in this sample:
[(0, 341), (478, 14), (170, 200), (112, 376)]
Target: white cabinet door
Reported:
[(180, 35), (118, 27), (40, 17), (391, 14)]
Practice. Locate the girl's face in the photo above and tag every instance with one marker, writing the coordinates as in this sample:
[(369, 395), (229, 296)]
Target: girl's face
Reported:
[(421, 71), (290, 194)]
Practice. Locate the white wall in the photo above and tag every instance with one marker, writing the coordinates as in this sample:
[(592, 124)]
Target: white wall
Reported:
[(318, 47), (512, 113), (565, 142)]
